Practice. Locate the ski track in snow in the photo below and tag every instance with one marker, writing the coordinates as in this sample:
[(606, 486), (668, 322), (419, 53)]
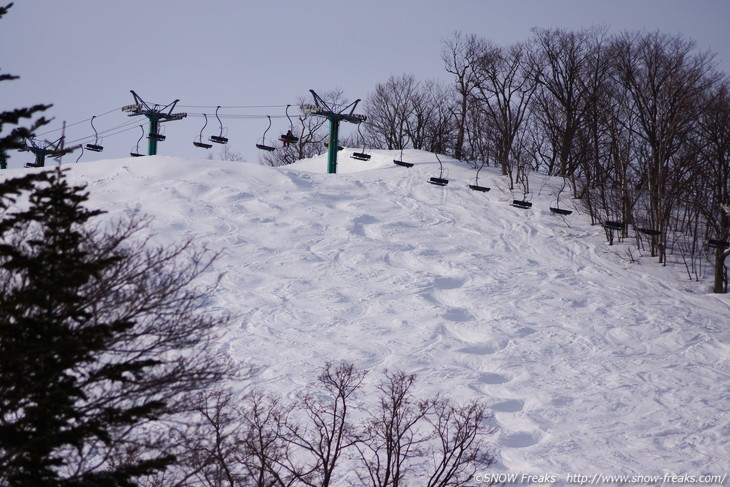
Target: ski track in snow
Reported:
[(590, 364)]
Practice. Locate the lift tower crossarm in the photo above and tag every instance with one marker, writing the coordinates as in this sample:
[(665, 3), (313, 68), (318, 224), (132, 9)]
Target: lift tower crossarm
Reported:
[(322, 109), (156, 114), (53, 149)]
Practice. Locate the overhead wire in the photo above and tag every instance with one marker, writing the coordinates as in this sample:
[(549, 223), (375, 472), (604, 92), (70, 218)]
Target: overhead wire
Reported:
[(234, 115), (79, 122), (133, 124), (231, 106), (109, 131)]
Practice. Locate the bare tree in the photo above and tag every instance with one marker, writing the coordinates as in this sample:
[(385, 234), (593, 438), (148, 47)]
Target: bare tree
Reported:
[(561, 102), (391, 437), (506, 84), (102, 342), (665, 80), (389, 109), (327, 432), (264, 449), (460, 450), (458, 53), (713, 186)]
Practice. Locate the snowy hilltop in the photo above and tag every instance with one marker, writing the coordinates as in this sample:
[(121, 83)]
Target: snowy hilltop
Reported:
[(592, 361)]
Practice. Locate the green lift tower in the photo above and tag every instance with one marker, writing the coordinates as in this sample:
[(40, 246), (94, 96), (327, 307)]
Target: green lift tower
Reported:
[(156, 114), (321, 109)]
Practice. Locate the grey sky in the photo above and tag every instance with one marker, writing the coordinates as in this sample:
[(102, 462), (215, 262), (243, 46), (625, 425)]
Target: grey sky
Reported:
[(84, 56)]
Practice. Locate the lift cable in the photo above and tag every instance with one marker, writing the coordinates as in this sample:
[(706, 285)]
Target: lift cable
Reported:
[(79, 122), (232, 106)]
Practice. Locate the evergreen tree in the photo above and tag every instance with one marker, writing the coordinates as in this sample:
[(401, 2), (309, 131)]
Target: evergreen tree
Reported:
[(14, 140), (100, 341)]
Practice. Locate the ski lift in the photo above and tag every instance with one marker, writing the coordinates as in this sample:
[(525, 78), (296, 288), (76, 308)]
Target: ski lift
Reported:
[(262, 145), (95, 147), (649, 231), (218, 139), (199, 142), (522, 204), (289, 137), (614, 225), (157, 137), (557, 209), (77, 159), (361, 156), (718, 244), (136, 152), (439, 181), (401, 162), (475, 186)]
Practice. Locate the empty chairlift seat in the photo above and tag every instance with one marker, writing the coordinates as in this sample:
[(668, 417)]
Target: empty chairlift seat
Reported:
[(438, 181), (218, 139), (614, 225), (476, 186), (95, 147), (361, 156)]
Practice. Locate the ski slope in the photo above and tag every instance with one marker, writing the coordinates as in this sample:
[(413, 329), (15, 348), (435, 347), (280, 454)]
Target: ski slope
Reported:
[(590, 363)]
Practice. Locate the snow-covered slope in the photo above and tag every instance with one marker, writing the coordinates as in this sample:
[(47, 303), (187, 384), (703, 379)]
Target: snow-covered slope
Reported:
[(591, 364)]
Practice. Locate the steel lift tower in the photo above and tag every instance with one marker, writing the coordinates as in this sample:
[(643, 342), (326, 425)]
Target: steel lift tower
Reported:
[(156, 114), (321, 109)]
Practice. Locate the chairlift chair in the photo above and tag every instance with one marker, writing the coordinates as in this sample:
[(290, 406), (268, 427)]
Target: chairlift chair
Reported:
[(718, 244), (440, 180), (522, 204), (289, 137), (157, 137), (476, 186), (556, 209), (614, 225), (361, 156), (262, 145), (135, 152), (219, 139), (199, 142), (401, 162), (95, 147), (649, 231)]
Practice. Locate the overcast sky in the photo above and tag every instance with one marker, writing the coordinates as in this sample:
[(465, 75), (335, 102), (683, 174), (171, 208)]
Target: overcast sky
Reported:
[(84, 56)]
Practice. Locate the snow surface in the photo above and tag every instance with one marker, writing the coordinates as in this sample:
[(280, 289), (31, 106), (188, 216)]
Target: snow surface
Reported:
[(590, 363)]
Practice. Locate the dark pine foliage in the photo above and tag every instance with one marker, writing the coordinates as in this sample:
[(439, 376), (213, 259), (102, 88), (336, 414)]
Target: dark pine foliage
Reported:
[(14, 140), (95, 341)]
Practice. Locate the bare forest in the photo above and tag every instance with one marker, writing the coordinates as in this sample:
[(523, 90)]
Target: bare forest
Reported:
[(637, 124)]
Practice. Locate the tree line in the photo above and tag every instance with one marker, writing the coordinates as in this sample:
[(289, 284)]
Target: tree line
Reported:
[(637, 124)]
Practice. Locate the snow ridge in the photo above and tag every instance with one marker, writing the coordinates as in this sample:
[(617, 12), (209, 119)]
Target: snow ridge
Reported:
[(590, 363)]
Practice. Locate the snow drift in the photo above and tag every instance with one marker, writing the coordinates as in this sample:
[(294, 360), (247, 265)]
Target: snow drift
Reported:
[(589, 362)]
